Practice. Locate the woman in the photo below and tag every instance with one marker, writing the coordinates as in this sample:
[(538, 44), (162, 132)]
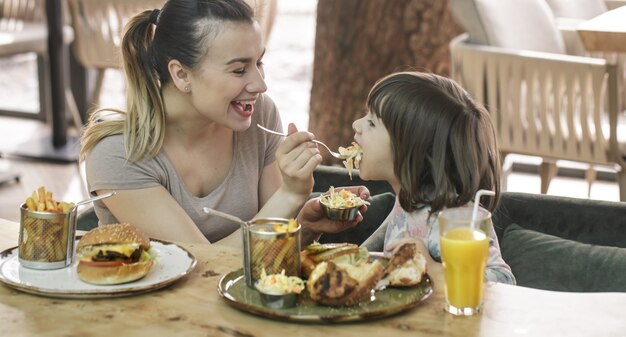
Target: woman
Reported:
[(195, 82)]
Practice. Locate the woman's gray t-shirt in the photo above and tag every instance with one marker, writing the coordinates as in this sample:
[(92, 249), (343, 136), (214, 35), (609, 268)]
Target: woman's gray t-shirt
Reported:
[(107, 168)]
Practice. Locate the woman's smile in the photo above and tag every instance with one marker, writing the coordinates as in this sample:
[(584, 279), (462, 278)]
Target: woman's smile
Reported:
[(245, 108)]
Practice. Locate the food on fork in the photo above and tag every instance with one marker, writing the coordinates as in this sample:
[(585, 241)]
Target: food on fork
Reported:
[(113, 254), (316, 253), (353, 155), (406, 267), (342, 284)]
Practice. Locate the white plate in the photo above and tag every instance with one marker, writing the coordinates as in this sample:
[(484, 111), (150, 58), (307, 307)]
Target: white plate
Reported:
[(172, 263)]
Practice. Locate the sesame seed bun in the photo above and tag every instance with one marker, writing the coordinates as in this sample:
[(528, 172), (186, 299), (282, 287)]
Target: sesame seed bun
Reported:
[(114, 234)]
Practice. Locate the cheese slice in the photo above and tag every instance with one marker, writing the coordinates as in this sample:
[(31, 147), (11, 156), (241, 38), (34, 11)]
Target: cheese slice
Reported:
[(125, 249)]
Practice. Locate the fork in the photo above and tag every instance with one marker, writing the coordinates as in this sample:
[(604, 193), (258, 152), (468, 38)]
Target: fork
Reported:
[(332, 153)]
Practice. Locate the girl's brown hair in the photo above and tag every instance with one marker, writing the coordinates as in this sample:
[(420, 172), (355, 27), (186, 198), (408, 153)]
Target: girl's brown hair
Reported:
[(180, 31), (443, 142)]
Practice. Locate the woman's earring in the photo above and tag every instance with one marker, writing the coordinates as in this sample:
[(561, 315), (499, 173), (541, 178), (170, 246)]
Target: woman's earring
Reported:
[(186, 88)]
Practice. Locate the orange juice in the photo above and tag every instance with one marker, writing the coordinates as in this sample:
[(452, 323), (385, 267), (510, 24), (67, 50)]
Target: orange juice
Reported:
[(464, 254)]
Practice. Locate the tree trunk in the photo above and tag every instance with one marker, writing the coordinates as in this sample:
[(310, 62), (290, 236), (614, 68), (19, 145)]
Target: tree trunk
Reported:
[(359, 41)]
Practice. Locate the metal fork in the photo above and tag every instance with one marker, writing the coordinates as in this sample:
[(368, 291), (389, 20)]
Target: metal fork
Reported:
[(332, 153)]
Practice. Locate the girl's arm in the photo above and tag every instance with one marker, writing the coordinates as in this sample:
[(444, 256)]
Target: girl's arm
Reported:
[(497, 270)]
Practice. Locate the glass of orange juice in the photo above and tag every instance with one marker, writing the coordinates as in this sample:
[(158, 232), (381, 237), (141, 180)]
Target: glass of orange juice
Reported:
[(464, 252)]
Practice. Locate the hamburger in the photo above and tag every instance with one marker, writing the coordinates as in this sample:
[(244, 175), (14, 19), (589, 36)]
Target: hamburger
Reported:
[(316, 253), (113, 254), (341, 284)]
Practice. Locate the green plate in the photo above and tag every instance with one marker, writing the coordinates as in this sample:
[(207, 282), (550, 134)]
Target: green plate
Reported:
[(232, 287)]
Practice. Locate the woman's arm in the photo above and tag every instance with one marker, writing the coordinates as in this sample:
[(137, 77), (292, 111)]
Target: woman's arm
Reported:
[(155, 212), (287, 183)]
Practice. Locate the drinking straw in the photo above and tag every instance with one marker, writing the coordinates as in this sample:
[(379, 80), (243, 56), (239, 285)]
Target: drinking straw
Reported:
[(479, 194)]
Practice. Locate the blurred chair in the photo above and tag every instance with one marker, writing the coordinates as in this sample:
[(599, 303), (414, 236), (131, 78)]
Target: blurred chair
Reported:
[(543, 102), (612, 4), (569, 14), (577, 9), (23, 30), (265, 13), (99, 25)]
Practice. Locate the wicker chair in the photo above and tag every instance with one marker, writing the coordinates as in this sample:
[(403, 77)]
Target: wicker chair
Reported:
[(99, 26), (544, 103)]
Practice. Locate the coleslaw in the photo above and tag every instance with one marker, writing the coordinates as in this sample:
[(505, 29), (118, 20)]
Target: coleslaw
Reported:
[(342, 199), (279, 284)]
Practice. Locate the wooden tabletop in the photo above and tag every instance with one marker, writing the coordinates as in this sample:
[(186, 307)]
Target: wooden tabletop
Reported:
[(192, 307), (606, 32)]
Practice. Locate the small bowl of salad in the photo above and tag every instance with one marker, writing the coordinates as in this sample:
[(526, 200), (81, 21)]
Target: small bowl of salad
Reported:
[(279, 291), (341, 205)]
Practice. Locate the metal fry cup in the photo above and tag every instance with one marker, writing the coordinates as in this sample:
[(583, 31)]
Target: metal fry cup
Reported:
[(46, 239), (265, 248)]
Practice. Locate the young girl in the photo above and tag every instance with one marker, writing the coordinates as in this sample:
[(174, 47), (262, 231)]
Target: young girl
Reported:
[(436, 147)]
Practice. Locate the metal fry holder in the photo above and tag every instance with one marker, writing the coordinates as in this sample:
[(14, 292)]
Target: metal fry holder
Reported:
[(267, 249), (46, 239)]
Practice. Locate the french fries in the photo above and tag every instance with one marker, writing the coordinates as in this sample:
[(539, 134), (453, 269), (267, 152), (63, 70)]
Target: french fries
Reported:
[(42, 201), (44, 238)]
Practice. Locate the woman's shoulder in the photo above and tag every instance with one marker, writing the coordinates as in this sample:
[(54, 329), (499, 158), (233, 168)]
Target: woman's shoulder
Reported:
[(109, 144)]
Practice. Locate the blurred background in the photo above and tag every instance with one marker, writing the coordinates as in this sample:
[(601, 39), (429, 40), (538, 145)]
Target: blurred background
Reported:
[(322, 58)]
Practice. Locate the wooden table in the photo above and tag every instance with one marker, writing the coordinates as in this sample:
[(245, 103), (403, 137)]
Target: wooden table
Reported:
[(192, 307), (606, 32)]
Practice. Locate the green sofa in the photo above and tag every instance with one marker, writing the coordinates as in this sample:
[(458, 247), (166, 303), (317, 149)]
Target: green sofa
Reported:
[(550, 242)]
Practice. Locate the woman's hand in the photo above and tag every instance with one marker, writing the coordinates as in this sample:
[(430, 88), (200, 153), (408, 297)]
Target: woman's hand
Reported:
[(297, 158), (314, 221)]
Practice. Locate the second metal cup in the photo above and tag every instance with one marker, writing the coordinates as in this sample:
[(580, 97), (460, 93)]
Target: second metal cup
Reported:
[(266, 248)]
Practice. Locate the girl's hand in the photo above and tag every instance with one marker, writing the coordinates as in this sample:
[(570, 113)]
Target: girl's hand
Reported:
[(314, 221), (297, 158)]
